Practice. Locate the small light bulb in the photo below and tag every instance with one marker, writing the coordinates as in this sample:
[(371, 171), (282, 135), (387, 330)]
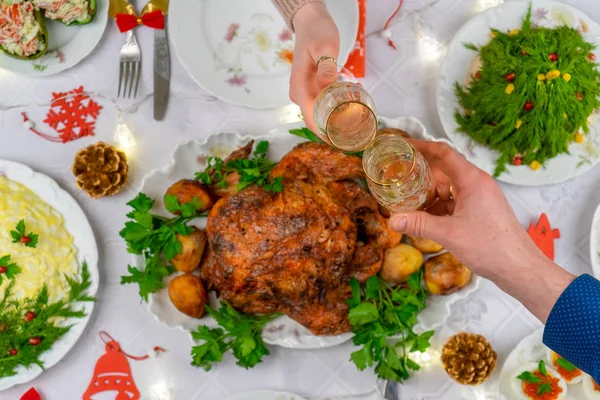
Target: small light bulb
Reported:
[(483, 5), (289, 114), (160, 391), (431, 49), (124, 138)]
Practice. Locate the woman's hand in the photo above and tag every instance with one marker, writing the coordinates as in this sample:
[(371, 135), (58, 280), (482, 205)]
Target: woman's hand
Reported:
[(316, 36), (474, 221)]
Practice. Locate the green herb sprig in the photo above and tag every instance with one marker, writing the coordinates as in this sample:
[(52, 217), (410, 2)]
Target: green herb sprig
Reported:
[(253, 171), (312, 137), (241, 333), (529, 377), (8, 269), (29, 327), (155, 238), (558, 107), (566, 365), (19, 236), (379, 312)]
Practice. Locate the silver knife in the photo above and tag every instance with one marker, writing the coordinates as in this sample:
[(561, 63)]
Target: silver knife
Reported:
[(392, 390), (162, 73)]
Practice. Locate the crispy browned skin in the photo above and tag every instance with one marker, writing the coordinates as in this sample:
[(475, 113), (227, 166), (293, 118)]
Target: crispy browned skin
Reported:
[(295, 251)]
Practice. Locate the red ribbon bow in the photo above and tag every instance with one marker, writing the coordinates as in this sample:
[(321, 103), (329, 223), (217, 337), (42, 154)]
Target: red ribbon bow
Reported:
[(153, 19)]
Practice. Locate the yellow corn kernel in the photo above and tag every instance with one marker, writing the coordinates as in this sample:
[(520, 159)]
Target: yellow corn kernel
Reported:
[(541, 77), (553, 74), (565, 115), (535, 165), (513, 32), (509, 88), (518, 124), (567, 76), (493, 35), (579, 138)]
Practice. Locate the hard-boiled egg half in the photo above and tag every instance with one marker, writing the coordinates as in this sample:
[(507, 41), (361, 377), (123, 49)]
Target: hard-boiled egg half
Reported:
[(529, 383), (568, 371), (591, 388)]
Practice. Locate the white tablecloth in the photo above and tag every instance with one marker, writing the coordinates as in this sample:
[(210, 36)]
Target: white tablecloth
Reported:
[(402, 82)]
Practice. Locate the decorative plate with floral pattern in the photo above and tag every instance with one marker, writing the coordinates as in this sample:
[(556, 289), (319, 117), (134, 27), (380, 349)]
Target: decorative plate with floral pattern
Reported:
[(242, 51), (508, 16), (68, 45)]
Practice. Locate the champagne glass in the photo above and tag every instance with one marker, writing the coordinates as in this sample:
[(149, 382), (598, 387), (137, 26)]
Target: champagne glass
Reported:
[(398, 176), (345, 113)]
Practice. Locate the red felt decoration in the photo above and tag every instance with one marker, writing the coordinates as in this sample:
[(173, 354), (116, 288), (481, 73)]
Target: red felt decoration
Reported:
[(153, 19), (72, 115), (112, 372), (357, 58), (31, 394), (387, 23), (543, 236)]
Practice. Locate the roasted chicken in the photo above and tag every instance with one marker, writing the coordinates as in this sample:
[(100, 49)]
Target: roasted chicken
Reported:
[(295, 251)]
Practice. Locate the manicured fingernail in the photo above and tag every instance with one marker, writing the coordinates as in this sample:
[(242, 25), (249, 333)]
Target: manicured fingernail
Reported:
[(399, 223)]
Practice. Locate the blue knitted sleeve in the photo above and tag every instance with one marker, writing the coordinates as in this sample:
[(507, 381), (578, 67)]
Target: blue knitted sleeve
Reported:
[(573, 327)]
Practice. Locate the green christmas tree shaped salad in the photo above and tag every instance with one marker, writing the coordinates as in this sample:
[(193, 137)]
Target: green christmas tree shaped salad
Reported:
[(532, 96)]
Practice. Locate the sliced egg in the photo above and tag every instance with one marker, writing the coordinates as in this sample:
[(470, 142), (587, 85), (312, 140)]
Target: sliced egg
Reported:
[(517, 384), (571, 377), (590, 388)]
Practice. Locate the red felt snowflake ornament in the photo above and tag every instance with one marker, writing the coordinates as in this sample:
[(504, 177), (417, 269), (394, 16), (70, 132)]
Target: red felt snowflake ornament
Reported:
[(72, 115)]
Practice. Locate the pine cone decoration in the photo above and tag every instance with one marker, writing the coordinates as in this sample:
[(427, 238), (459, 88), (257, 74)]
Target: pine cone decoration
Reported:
[(100, 169), (468, 358)]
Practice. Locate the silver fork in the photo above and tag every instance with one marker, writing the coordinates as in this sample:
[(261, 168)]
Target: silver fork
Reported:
[(130, 66)]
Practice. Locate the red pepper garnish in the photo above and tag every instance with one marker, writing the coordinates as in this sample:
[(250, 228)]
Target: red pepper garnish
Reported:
[(13, 352), (510, 77), (579, 96), (553, 57), (592, 57), (34, 341), (528, 106), (477, 75), (25, 239), (3, 269), (518, 161), (29, 316)]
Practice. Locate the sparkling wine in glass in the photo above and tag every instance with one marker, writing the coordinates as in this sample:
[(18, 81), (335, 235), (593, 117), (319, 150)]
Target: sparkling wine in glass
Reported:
[(398, 175), (345, 113)]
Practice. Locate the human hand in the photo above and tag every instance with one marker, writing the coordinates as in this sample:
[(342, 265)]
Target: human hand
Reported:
[(316, 36), (473, 220)]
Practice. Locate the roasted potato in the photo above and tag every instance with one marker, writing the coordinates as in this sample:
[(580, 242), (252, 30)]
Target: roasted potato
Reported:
[(192, 249), (400, 262), (186, 189), (444, 274), (394, 131), (425, 245), (188, 295)]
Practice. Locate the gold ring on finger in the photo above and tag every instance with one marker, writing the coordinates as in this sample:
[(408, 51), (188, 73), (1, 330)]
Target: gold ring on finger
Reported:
[(326, 58)]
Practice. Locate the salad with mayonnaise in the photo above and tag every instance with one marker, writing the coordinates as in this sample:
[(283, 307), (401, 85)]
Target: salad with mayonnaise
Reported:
[(69, 12), (22, 30)]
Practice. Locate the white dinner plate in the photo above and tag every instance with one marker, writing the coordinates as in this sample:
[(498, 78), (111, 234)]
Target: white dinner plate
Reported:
[(68, 45), (239, 50), (273, 395), (595, 243), (530, 350), (83, 238), (455, 68), (190, 158)]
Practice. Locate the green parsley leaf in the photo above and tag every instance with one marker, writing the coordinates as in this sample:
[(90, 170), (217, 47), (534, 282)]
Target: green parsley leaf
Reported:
[(363, 314), (171, 203), (566, 365), (544, 388), (238, 332), (421, 342), (542, 368), (529, 377), (12, 269), (306, 134)]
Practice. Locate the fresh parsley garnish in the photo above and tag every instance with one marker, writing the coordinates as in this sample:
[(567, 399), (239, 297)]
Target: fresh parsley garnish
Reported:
[(19, 236), (544, 388), (241, 333), (8, 269), (306, 134), (24, 340), (378, 312), (542, 368), (252, 171), (564, 364), (529, 377), (155, 238)]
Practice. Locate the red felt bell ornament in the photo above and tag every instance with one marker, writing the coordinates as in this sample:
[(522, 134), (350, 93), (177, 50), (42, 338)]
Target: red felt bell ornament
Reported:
[(112, 372)]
